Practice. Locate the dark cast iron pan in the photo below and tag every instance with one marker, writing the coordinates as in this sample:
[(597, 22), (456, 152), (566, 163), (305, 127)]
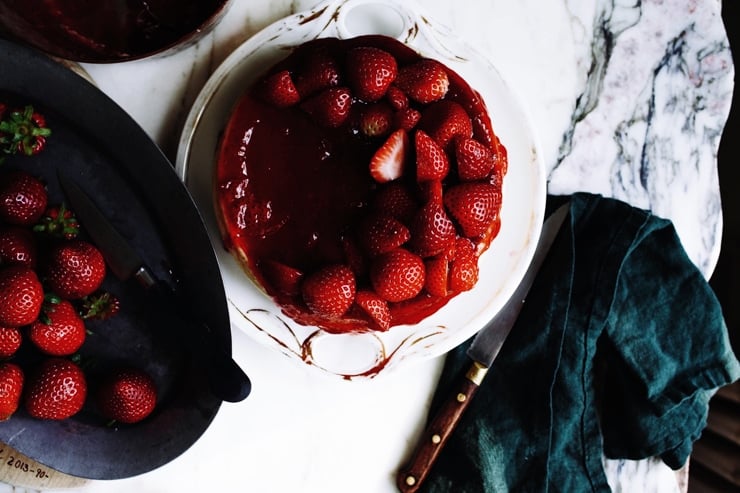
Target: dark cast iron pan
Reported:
[(97, 144)]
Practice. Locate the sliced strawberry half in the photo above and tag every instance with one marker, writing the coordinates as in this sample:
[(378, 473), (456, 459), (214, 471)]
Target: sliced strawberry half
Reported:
[(376, 308), (396, 200), (284, 278), (475, 161), (444, 121), (437, 270), (473, 205), (424, 81), (318, 72), (432, 230), (330, 291), (370, 71), (330, 107), (381, 233), (279, 90), (406, 118), (397, 275), (389, 161), (431, 160), (464, 267)]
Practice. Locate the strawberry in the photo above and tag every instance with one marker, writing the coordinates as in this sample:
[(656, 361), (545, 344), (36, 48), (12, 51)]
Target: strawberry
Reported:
[(436, 282), (23, 198), (75, 269), (397, 98), (56, 390), (100, 305), (474, 160), (389, 160), (127, 395), (23, 130), (395, 199), (432, 230), (375, 119), (406, 118), (380, 233), (330, 290), (60, 332), (58, 222), (376, 308), (502, 156), (279, 90), (11, 387), (444, 121), (284, 278), (431, 191), (370, 71), (17, 246), (473, 205), (431, 160), (464, 267), (10, 341), (22, 296), (353, 255), (397, 275), (318, 71), (330, 107), (424, 81)]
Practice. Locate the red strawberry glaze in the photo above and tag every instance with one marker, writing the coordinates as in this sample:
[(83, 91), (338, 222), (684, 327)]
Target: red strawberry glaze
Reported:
[(292, 191)]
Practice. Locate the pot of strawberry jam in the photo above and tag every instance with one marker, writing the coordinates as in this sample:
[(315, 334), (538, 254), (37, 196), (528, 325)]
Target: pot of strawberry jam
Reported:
[(340, 156)]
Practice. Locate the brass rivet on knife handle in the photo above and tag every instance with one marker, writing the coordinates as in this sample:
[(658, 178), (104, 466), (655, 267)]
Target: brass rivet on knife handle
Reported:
[(439, 430)]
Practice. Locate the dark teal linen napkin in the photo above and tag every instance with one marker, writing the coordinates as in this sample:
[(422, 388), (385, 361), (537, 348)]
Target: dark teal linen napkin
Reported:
[(616, 353)]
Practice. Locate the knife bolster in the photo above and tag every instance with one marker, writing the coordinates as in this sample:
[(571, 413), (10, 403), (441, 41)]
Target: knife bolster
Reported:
[(476, 372)]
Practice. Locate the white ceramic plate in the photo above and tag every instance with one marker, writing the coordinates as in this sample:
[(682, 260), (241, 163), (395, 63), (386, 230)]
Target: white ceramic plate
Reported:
[(501, 266)]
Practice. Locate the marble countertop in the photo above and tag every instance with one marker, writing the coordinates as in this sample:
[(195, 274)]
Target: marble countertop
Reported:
[(629, 99)]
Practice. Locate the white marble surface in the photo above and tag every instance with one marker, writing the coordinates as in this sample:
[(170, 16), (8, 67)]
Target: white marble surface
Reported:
[(628, 98)]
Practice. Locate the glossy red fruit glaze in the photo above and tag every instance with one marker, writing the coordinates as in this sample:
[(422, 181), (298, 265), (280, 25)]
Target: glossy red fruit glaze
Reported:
[(291, 191)]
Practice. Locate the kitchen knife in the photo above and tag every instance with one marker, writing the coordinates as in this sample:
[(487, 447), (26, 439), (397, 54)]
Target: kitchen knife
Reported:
[(483, 351), (226, 379)]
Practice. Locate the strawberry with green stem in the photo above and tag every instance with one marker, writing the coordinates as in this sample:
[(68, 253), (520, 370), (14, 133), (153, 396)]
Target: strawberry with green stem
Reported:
[(23, 131), (58, 222)]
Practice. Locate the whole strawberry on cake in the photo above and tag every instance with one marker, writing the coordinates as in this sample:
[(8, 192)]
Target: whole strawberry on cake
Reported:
[(358, 182)]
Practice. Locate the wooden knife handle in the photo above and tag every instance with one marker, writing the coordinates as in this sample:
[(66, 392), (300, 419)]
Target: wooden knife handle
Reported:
[(434, 437)]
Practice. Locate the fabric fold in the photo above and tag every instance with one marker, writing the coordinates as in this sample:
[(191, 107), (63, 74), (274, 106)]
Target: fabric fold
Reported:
[(618, 348)]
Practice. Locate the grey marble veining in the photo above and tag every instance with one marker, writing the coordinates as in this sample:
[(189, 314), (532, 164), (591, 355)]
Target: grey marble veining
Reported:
[(656, 70)]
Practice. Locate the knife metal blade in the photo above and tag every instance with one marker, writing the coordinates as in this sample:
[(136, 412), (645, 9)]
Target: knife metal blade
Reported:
[(227, 380), (483, 351)]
